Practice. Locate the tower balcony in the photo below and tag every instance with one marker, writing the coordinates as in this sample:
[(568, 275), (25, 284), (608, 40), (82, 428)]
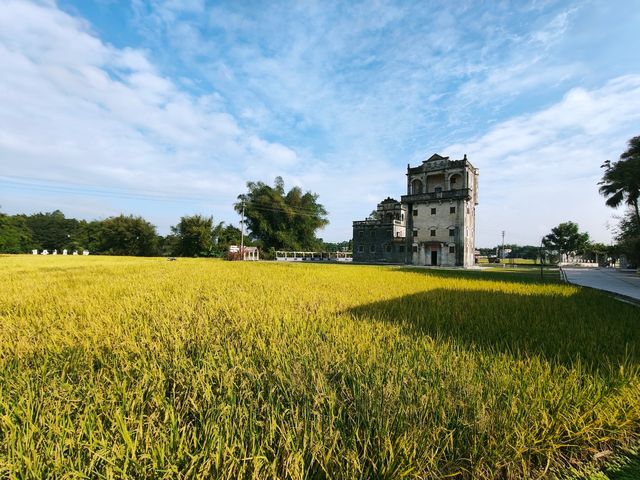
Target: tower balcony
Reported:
[(455, 194)]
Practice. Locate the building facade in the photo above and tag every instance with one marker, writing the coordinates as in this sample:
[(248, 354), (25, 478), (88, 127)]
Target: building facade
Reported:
[(433, 224), (383, 237)]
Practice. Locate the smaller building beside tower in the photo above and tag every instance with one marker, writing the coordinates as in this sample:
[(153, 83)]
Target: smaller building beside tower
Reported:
[(433, 224), (383, 237)]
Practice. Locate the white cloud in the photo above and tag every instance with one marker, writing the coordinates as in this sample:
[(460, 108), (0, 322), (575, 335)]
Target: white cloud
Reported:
[(554, 31), (540, 169), (75, 109), (97, 115)]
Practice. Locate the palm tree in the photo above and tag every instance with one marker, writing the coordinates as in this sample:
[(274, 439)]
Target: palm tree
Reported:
[(621, 179)]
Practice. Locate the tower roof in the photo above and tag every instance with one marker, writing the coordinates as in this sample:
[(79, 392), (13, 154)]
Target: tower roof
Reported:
[(435, 157), (437, 162)]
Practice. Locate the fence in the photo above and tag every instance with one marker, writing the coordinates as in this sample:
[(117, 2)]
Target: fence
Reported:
[(286, 256)]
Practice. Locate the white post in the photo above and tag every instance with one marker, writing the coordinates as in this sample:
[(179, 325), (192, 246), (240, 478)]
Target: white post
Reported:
[(242, 233)]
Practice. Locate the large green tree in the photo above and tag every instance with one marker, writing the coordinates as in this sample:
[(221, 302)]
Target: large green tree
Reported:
[(621, 184), (597, 252), (193, 236), (621, 180), (628, 237), (282, 220), (88, 236), (52, 230), (226, 235), (566, 239), (128, 235), (15, 235)]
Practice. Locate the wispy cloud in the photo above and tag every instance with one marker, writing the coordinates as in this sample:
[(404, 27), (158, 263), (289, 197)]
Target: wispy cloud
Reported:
[(75, 108), (391, 76), (542, 168)]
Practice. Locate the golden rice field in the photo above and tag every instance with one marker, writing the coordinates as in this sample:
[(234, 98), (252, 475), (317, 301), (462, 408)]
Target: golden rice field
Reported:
[(143, 368)]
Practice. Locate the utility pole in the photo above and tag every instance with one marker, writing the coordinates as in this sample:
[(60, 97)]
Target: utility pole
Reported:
[(542, 260), (502, 249), (242, 233)]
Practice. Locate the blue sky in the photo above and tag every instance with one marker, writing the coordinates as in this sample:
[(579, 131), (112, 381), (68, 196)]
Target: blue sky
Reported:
[(167, 107)]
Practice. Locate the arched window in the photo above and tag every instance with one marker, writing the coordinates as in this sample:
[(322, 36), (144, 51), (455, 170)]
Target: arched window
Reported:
[(416, 187), (455, 181)]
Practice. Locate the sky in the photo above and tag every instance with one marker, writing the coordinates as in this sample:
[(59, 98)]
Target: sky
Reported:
[(165, 108)]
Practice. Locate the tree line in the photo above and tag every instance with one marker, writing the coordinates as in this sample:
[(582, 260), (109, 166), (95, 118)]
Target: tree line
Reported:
[(194, 235), (276, 219), (560, 245), (620, 185), (562, 242)]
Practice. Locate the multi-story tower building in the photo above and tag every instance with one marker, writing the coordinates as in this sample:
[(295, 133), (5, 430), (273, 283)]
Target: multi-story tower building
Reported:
[(437, 214), (441, 201)]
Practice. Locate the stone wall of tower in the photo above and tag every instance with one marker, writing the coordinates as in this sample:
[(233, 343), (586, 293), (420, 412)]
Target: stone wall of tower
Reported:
[(441, 199), (469, 220), (436, 227), (381, 239)]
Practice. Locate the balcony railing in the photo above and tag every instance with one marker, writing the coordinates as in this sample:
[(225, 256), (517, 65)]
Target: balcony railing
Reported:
[(444, 195), (362, 223)]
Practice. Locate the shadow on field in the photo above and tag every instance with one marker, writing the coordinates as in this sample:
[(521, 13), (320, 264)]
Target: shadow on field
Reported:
[(585, 326), (515, 275), (630, 471)]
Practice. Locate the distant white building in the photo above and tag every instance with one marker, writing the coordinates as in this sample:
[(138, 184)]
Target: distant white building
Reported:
[(248, 253)]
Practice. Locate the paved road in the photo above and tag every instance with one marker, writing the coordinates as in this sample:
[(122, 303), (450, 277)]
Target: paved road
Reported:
[(622, 282)]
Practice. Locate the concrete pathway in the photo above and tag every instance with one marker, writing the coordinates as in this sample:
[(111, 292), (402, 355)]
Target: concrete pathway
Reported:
[(614, 280)]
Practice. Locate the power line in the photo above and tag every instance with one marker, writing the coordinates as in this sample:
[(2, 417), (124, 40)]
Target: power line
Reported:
[(75, 187), (41, 185), (98, 191), (282, 210), (82, 185), (285, 209)]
